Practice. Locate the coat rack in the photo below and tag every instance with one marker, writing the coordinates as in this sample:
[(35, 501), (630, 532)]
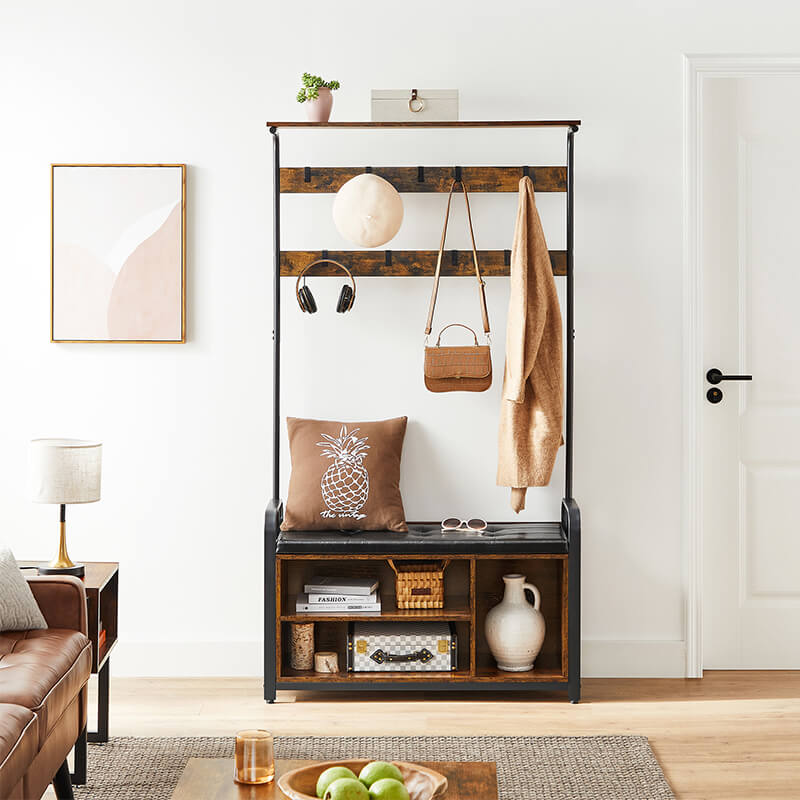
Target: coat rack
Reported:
[(553, 547)]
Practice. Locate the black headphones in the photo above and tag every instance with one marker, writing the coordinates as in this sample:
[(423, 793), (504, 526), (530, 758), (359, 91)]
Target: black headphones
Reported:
[(306, 300)]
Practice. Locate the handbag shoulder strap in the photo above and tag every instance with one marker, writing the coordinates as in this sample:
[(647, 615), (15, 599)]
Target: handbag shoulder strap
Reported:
[(437, 274)]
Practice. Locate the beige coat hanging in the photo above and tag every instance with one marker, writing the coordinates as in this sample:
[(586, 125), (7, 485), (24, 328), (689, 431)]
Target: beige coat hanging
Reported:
[(532, 410)]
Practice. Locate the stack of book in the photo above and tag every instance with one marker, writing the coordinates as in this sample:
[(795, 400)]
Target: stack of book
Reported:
[(342, 595)]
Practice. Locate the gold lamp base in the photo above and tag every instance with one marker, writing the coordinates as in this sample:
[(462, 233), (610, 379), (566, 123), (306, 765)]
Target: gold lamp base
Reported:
[(62, 564)]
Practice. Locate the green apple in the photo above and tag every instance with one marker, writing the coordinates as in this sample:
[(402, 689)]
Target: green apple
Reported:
[(346, 789), (388, 789), (376, 770), (329, 776)]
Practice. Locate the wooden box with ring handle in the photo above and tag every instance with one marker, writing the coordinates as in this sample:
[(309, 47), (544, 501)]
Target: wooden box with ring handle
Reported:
[(306, 301), (462, 368)]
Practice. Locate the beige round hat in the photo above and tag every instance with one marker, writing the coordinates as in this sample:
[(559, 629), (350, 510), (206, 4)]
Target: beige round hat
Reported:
[(368, 210)]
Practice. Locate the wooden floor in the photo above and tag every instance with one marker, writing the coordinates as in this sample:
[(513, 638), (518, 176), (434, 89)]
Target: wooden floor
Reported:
[(731, 735)]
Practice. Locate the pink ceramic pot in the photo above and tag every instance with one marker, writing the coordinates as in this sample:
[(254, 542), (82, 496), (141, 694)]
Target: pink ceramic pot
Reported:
[(319, 110)]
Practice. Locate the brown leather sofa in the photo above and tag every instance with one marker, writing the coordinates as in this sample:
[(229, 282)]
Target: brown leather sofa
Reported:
[(43, 678)]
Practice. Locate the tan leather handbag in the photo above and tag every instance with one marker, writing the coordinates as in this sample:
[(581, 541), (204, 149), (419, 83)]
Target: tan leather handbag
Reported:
[(464, 368)]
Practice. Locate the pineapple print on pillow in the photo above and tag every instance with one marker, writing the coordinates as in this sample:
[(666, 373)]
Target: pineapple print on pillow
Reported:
[(345, 484)]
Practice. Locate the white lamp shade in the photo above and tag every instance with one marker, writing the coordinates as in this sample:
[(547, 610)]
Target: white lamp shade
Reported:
[(368, 210), (65, 470)]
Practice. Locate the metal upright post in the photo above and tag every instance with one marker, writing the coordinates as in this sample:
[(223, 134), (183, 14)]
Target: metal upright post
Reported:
[(570, 311), (571, 513), (276, 314), (272, 517)]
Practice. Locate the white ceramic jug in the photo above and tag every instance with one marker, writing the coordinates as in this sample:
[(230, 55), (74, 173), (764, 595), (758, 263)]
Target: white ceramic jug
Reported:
[(515, 628)]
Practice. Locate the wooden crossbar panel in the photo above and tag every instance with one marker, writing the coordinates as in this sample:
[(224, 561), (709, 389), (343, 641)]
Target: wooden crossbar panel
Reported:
[(408, 263), (312, 180)]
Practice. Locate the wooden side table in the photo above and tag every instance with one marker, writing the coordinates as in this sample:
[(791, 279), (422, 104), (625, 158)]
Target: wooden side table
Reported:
[(213, 777), (102, 591)]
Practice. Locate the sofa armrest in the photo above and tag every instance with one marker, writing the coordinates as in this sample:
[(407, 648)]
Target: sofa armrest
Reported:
[(62, 600)]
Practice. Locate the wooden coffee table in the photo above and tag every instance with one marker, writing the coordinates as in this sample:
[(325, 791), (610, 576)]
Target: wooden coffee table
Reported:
[(212, 779)]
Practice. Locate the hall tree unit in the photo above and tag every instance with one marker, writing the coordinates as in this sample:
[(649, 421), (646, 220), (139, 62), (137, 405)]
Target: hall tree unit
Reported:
[(548, 553)]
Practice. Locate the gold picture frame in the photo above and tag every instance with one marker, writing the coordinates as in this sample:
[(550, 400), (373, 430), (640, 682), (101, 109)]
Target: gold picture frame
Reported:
[(179, 305)]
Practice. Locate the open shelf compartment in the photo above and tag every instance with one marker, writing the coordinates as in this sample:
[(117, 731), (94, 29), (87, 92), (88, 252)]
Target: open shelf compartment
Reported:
[(473, 585)]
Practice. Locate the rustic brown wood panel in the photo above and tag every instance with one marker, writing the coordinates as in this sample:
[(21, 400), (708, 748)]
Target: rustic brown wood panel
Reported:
[(280, 593), (473, 607), (565, 617), (435, 179), (406, 263), (466, 123)]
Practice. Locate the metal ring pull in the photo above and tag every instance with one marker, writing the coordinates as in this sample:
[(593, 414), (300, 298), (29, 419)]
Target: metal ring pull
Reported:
[(415, 99)]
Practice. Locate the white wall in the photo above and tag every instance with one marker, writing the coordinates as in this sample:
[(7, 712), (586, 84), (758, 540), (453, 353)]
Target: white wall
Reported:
[(186, 427)]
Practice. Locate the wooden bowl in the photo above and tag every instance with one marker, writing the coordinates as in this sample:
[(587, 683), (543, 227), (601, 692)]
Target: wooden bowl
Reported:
[(422, 783)]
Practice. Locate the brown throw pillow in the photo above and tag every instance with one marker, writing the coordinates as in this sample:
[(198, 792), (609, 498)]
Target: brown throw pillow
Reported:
[(345, 475)]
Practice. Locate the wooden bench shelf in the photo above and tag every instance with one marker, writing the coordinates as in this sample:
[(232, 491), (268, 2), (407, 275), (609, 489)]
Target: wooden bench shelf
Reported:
[(457, 608), (473, 585)]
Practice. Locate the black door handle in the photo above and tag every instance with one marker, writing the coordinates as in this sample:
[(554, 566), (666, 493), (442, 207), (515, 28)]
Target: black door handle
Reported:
[(715, 376)]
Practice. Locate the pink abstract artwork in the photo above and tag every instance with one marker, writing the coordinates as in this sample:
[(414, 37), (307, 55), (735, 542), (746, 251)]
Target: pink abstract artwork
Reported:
[(118, 253)]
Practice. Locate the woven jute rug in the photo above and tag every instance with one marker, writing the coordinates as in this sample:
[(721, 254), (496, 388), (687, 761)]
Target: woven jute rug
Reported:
[(528, 768)]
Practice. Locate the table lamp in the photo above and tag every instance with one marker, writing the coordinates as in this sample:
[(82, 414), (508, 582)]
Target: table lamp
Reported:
[(64, 471)]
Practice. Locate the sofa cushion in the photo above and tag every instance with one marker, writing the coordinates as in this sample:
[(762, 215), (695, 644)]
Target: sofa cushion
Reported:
[(44, 671), (19, 741)]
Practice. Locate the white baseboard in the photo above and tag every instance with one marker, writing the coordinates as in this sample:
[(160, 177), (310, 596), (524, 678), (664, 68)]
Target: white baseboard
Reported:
[(188, 660), (636, 658), (601, 658)]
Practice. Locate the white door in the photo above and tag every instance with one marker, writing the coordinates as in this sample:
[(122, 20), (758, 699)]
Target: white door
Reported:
[(750, 200)]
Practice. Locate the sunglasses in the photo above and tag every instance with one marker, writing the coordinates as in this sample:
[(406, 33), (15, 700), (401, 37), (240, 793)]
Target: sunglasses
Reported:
[(455, 524)]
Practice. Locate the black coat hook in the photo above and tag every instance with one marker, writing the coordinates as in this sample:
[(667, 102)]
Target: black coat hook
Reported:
[(420, 174), (457, 174)]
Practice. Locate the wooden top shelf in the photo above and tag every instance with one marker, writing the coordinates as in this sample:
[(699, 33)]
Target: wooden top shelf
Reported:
[(461, 123)]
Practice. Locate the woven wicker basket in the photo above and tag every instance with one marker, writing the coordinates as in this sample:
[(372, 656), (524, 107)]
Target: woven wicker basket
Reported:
[(419, 585)]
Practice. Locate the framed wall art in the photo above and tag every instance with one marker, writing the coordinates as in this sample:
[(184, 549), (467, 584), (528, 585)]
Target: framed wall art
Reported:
[(118, 253)]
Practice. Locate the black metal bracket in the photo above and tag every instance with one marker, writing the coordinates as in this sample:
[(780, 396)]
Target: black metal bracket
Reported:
[(388, 258), (367, 170), (526, 172), (420, 174), (457, 174), (307, 175)]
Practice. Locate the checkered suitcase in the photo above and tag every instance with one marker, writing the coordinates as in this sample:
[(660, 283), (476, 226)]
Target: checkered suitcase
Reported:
[(401, 647)]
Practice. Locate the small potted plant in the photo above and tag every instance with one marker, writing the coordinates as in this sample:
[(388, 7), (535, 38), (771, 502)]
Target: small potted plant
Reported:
[(316, 94)]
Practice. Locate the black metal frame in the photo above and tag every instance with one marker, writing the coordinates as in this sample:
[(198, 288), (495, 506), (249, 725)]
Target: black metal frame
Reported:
[(570, 513)]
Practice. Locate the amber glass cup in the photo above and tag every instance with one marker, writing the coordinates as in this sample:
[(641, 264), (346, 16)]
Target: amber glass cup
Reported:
[(255, 757)]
